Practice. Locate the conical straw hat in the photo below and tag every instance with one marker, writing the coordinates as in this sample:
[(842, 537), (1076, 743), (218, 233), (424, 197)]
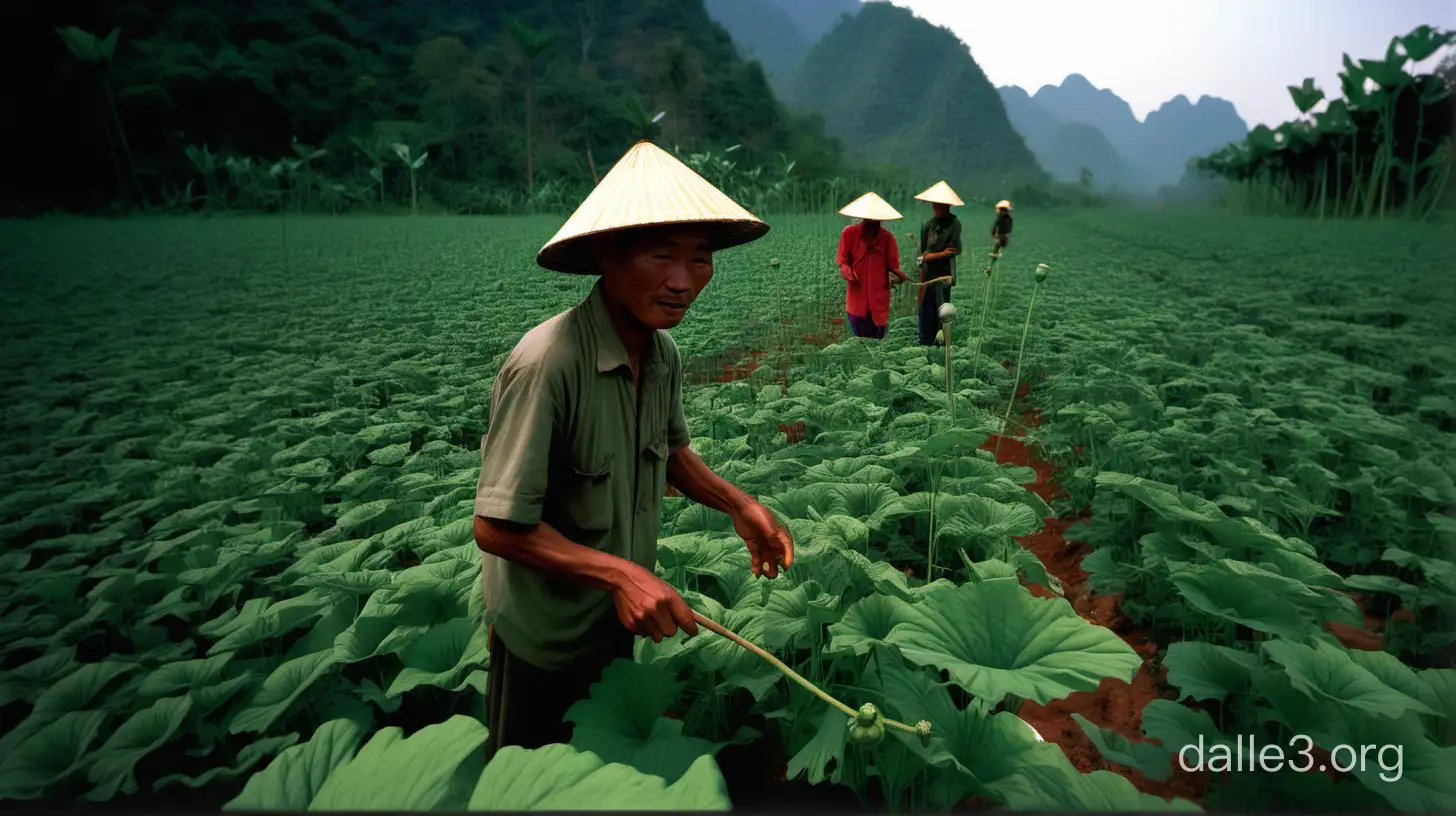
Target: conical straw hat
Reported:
[(871, 207), (647, 187), (941, 193)]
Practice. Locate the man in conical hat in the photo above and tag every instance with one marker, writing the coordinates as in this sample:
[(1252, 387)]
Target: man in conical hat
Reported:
[(1001, 228), (586, 431), (868, 256), (940, 243)]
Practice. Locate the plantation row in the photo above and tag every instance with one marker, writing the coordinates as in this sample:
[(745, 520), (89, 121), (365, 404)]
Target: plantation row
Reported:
[(240, 549)]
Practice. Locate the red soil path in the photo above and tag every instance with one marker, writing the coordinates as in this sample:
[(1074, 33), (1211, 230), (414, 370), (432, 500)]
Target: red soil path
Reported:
[(1116, 705)]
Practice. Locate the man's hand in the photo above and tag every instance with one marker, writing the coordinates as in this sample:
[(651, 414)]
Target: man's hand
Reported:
[(650, 607), (768, 541)]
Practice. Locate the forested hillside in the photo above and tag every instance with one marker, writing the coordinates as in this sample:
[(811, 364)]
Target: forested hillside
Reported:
[(898, 90), (354, 77), (778, 33)]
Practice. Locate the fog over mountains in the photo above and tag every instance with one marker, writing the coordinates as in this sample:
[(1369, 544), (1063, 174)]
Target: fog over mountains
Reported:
[(898, 89), (1075, 125)]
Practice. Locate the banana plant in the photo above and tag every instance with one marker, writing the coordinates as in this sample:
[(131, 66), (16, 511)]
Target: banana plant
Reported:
[(304, 168), (1419, 45), (89, 49), (1306, 96), (1335, 122), (413, 163), (1390, 76), (529, 43), (206, 163)]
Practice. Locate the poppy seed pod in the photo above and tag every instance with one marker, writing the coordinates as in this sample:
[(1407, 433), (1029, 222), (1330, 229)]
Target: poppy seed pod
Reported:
[(773, 262), (865, 728), (922, 729), (947, 313), (1041, 272)]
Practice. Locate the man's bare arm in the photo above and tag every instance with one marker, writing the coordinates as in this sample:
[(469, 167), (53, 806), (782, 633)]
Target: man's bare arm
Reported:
[(543, 548), (687, 472), (645, 603), (770, 544)]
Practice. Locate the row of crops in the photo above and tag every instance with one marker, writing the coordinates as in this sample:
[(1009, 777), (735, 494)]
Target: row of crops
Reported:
[(239, 564)]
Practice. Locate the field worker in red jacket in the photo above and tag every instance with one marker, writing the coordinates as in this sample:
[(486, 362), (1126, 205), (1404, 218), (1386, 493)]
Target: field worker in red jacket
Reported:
[(586, 431), (868, 257)]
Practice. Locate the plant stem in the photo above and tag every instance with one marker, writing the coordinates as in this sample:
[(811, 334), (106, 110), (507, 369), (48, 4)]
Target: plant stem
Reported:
[(788, 672), (1410, 189), (1020, 353)]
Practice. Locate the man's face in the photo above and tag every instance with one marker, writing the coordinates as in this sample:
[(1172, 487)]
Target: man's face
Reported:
[(941, 210), (655, 274)]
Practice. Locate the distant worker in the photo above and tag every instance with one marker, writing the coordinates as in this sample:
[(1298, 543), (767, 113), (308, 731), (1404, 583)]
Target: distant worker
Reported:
[(868, 256), (940, 242), (1001, 229)]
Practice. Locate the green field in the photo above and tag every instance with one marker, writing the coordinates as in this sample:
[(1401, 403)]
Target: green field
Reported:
[(240, 457)]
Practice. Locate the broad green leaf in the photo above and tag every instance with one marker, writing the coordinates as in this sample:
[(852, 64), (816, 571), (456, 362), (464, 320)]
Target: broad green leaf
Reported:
[(28, 680), (1034, 648), (1402, 765), (250, 755), (433, 769), (826, 746), (1181, 731), (49, 756), (621, 721), (77, 691), (1204, 671), (1250, 595), (294, 778), (1328, 672), (113, 764), (1061, 788), (1152, 760), (280, 690), (442, 655), (188, 674), (974, 749), (558, 777)]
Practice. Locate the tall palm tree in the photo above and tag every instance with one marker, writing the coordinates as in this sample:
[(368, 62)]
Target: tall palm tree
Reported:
[(530, 44)]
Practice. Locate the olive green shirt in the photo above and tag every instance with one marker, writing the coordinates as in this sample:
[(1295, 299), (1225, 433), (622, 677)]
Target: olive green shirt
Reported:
[(568, 446)]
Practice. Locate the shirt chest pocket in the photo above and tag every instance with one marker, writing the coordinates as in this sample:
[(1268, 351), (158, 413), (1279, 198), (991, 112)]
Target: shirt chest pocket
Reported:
[(589, 500)]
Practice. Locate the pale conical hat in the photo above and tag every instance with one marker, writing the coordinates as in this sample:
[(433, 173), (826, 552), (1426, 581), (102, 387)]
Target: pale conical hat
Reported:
[(647, 187), (941, 193), (872, 207)]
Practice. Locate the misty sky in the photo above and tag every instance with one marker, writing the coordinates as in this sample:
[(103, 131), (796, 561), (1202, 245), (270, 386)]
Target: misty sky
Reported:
[(1148, 51)]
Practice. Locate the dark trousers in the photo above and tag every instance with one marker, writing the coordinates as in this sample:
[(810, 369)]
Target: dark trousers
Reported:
[(930, 303), (525, 705), (864, 326)]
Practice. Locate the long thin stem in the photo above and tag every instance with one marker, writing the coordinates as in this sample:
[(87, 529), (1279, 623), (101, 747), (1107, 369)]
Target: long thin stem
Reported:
[(1020, 353), (788, 672)]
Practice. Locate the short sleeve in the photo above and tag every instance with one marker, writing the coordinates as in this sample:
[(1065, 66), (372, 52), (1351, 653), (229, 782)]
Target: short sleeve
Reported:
[(954, 241), (677, 421), (516, 455)]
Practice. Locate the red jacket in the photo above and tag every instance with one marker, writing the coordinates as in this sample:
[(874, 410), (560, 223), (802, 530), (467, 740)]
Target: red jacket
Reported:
[(867, 269)]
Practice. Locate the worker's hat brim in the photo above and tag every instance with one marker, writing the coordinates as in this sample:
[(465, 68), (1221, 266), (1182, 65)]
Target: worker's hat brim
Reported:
[(648, 187), (871, 208), (941, 193)]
